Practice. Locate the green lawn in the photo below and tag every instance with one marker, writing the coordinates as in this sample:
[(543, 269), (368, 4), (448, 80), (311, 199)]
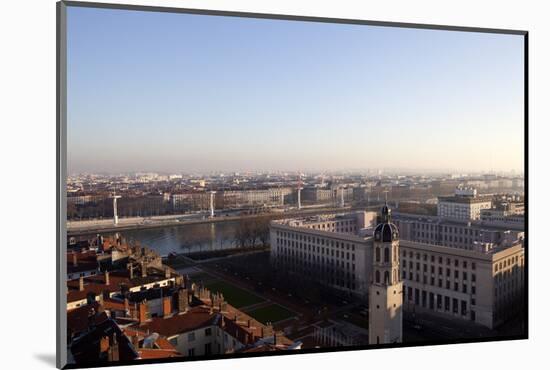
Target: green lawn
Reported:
[(233, 295), (271, 313), (201, 276)]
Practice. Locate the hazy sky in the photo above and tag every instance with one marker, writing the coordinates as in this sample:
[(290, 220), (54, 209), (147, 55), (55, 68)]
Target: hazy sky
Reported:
[(176, 92)]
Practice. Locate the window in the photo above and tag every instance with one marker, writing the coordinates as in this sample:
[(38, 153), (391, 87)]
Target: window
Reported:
[(191, 352), (208, 332), (208, 349), (191, 336)]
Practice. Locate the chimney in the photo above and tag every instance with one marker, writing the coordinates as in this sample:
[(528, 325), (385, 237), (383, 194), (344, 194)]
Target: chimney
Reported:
[(112, 354), (75, 259), (167, 273), (104, 344), (107, 281), (143, 312), (143, 269), (91, 318), (90, 298), (167, 306), (183, 300), (126, 305), (131, 269), (135, 341), (81, 283), (248, 322)]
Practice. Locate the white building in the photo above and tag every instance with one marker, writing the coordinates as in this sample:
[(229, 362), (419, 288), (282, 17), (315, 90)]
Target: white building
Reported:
[(478, 278), (464, 205), (328, 248)]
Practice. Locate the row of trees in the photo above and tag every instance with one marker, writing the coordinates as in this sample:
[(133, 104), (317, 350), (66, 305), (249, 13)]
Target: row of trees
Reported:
[(248, 233), (251, 231)]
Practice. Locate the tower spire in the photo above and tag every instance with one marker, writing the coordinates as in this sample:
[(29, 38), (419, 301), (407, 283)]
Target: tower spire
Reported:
[(385, 291)]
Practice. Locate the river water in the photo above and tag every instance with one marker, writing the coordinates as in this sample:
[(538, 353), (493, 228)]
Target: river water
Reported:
[(186, 238)]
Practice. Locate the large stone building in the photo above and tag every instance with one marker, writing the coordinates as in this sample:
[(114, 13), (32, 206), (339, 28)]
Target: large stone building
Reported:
[(329, 248), (464, 270), (466, 204), (461, 234), (484, 285)]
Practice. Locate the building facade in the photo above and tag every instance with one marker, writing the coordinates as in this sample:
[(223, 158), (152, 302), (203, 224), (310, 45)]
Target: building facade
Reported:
[(464, 205), (485, 286), (329, 249), (469, 271)]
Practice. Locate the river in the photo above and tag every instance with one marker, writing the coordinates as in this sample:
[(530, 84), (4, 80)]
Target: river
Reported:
[(185, 238)]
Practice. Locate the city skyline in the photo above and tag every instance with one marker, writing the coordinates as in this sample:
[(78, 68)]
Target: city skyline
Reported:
[(186, 93)]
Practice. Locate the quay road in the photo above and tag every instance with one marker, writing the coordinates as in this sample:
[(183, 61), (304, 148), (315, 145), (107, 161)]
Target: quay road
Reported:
[(77, 228)]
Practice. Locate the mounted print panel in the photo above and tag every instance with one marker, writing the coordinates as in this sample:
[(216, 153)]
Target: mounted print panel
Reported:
[(237, 185)]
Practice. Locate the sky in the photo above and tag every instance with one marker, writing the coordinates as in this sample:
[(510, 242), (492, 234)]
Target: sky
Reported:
[(176, 93)]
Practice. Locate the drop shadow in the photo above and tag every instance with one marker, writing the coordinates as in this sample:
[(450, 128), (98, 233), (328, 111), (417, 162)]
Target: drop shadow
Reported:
[(46, 358)]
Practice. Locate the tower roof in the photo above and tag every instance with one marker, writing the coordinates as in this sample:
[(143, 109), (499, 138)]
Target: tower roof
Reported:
[(386, 231)]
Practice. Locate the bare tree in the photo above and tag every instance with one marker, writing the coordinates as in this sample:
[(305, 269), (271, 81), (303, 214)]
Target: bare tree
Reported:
[(202, 236), (262, 225), (242, 233)]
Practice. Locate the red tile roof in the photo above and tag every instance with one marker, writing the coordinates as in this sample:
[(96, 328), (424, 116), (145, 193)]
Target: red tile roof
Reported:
[(148, 353), (195, 318), (77, 319)]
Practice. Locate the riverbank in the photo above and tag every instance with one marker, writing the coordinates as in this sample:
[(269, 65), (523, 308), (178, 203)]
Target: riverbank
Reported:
[(82, 228)]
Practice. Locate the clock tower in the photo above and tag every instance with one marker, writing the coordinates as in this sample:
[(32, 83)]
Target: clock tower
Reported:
[(385, 290)]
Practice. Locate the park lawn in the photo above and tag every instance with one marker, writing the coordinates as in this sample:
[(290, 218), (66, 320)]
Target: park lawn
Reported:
[(201, 276), (234, 296), (271, 313)]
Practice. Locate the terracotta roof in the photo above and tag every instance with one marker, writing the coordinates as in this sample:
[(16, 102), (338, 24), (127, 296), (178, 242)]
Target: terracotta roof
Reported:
[(241, 329), (77, 319), (266, 347), (86, 260), (87, 348), (195, 318), (113, 304), (96, 284), (163, 343), (148, 353)]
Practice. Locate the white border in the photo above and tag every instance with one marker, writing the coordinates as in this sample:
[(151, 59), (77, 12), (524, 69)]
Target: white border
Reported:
[(28, 181)]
